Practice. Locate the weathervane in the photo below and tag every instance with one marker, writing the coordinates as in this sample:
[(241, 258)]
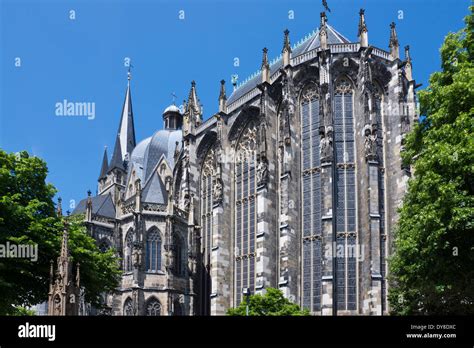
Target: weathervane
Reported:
[(326, 7)]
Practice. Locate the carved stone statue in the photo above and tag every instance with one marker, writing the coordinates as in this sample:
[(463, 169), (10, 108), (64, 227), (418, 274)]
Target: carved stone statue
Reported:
[(370, 143), (187, 202), (217, 190), (171, 257), (57, 305), (326, 144), (136, 258), (262, 171)]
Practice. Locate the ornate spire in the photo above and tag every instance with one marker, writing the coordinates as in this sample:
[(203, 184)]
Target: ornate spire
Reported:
[(105, 165), (407, 54), (88, 207), (408, 65), (65, 244), (59, 209), (286, 48), (193, 107), (126, 131), (363, 32), (323, 34), (393, 44), (265, 67), (222, 98)]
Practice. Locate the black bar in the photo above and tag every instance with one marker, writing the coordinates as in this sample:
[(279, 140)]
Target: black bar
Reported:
[(243, 331)]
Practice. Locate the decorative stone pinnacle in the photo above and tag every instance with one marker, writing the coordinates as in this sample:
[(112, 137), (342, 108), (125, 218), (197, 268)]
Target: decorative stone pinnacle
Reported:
[(265, 57)]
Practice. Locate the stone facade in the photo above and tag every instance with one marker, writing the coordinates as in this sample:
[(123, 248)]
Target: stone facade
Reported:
[(293, 184)]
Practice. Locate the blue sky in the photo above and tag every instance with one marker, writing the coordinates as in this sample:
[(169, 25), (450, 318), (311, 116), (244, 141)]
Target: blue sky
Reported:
[(82, 60)]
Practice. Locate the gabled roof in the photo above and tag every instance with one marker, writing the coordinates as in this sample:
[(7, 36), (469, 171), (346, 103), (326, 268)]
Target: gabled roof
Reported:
[(154, 190), (310, 43), (102, 205)]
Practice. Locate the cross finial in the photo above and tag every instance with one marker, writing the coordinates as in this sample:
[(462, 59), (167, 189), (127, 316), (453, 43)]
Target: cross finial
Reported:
[(174, 98), (129, 73)]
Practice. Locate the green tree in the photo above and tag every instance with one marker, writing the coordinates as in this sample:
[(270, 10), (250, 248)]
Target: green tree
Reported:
[(432, 270), (27, 216), (273, 303)]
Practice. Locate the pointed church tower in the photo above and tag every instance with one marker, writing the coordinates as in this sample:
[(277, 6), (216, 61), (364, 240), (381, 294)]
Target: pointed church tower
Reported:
[(64, 290), (113, 182), (126, 131)]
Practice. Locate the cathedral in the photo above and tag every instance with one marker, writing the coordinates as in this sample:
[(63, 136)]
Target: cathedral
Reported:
[(293, 184)]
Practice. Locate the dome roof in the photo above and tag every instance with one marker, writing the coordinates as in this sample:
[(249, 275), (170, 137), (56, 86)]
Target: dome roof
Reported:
[(138, 153), (171, 108), (162, 143)]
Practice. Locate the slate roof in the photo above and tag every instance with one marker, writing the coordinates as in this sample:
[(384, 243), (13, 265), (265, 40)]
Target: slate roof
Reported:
[(163, 142), (101, 205), (154, 190), (312, 42)]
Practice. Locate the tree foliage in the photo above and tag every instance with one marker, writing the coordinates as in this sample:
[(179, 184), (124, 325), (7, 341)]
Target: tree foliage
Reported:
[(432, 270), (27, 216), (273, 303)]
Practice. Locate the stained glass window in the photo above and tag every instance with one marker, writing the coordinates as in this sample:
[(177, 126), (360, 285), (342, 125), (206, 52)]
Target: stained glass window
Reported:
[(311, 182), (345, 194), (153, 250), (153, 308), (245, 211)]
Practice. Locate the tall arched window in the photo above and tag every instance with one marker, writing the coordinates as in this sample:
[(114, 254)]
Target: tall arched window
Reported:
[(245, 211), (345, 196), (127, 255), (207, 181), (381, 185), (153, 250), (128, 307), (153, 307), (311, 202)]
